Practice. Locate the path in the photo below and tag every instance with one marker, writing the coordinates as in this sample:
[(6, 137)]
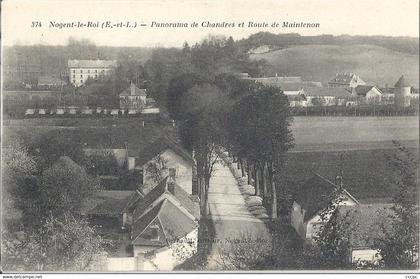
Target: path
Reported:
[(230, 216)]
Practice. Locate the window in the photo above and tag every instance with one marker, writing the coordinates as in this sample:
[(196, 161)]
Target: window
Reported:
[(81, 76), (96, 71), (81, 71), (74, 76), (74, 71), (81, 81)]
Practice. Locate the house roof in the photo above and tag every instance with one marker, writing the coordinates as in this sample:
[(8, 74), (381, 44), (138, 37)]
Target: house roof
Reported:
[(160, 145), (92, 63), (315, 194), (141, 225), (136, 92), (402, 82), (184, 199), (366, 222), (106, 203), (327, 91), (364, 89), (173, 221), (345, 79)]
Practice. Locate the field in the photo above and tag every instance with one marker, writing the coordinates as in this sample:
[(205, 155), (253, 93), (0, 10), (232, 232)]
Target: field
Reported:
[(353, 133), (321, 62), (366, 173)]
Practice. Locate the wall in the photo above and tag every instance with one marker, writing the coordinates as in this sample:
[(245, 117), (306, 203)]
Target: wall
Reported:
[(172, 160)]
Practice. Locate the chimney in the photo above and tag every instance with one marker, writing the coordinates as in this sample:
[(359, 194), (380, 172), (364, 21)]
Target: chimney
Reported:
[(132, 89), (170, 182)]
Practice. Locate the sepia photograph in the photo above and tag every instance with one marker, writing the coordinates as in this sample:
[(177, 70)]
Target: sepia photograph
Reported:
[(207, 136)]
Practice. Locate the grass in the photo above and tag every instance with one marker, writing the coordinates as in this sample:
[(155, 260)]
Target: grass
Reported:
[(321, 62), (367, 175)]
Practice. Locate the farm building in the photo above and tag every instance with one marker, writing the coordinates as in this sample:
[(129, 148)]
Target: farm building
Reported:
[(311, 199), (346, 80), (368, 94)]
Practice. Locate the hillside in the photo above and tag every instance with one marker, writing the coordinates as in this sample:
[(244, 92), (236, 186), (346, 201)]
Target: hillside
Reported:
[(320, 63)]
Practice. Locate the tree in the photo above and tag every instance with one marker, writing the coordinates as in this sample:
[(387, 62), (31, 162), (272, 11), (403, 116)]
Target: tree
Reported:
[(62, 243), (60, 189), (17, 165), (202, 131), (399, 248), (55, 144), (260, 132)]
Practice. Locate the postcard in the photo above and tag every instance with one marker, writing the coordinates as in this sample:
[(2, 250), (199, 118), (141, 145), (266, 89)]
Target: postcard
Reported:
[(210, 136)]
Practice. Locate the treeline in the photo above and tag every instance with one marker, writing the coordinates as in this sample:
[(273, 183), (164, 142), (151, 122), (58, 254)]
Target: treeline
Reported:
[(362, 110), (249, 120), (279, 41)]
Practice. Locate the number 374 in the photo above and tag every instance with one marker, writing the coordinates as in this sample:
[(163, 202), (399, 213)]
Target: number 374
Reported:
[(36, 24)]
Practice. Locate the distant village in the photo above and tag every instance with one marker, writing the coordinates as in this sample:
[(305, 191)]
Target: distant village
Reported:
[(344, 90)]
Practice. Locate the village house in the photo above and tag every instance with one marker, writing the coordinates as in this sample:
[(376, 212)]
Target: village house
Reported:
[(367, 94), (164, 225), (311, 199), (133, 98), (156, 159), (81, 70), (346, 80)]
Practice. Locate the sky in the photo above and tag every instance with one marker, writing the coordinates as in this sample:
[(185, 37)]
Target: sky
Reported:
[(353, 17)]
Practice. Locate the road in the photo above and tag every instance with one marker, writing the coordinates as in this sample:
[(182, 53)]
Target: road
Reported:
[(230, 216)]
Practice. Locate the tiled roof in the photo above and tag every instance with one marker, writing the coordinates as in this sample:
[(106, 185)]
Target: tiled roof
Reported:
[(160, 145), (142, 204), (173, 221), (366, 222), (402, 82), (136, 92), (344, 78), (92, 63), (141, 224), (314, 195), (364, 89), (106, 203)]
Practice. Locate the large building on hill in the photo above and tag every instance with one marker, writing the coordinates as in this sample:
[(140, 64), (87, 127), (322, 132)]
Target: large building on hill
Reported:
[(81, 70), (348, 80)]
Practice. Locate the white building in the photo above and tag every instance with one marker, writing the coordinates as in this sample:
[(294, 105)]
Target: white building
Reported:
[(312, 198), (81, 70)]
